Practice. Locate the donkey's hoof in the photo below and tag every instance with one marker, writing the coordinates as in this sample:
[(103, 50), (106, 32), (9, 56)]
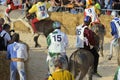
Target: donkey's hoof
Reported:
[(37, 45)]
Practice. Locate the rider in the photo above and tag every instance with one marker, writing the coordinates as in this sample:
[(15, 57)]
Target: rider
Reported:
[(40, 9), (115, 31), (93, 11), (57, 42), (12, 5), (86, 40)]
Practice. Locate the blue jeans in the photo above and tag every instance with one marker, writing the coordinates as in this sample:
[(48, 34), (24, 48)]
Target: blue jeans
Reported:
[(17, 67)]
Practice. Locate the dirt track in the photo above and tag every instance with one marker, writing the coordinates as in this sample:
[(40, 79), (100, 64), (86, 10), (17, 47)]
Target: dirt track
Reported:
[(37, 67)]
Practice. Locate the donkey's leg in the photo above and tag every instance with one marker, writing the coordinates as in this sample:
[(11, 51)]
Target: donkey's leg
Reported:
[(101, 48), (81, 74), (36, 41), (90, 73)]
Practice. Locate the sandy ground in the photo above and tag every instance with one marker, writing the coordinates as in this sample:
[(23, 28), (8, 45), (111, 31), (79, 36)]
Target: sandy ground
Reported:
[(37, 67)]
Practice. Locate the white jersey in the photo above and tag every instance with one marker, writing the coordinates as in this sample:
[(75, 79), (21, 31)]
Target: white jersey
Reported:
[(80, 39), (42, 11), (59, 42), (91, 12), (117, 24), (6, 37)]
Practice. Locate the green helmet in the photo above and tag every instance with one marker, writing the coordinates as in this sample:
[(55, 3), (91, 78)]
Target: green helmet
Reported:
[(56, 25)]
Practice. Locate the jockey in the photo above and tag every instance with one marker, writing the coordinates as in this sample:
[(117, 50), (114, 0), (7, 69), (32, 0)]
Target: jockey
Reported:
[(57, 42), (85, 39), (40, 9), (84, 35), (93, 12), (115, 31), (12, 5)]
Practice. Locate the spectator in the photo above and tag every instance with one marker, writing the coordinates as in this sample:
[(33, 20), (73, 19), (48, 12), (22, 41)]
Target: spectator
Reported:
[(5, 32), (1, 23), (115, 26), (116, 5), (40, 8), (101, 2), (57, 42), (3, 2), (85, 39), (108, 5), (59, 72), (17, 53), (117, 74)]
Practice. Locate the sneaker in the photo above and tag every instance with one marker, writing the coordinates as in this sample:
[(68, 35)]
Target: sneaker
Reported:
[(97, 74)]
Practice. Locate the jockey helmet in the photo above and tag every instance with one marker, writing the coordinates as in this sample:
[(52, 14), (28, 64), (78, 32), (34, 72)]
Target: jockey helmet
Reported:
[(56, 25), (114, 14), (87, 19), (97, 5)]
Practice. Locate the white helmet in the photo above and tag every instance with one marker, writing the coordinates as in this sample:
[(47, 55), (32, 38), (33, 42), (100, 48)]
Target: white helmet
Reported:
[(56, 25), (114, 14)]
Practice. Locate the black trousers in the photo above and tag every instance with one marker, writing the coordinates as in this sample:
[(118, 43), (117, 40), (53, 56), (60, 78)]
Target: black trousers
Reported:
[(96, 58)]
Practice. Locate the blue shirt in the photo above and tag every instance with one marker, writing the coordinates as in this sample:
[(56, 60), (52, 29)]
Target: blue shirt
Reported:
[(17, 50), (114, 28)]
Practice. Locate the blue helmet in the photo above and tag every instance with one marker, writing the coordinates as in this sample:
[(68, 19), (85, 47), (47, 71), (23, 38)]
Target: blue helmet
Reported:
[(56, 25), (87, 19)]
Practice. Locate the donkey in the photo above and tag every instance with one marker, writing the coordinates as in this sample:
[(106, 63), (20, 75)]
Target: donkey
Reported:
[(100, 31), (80, 63)]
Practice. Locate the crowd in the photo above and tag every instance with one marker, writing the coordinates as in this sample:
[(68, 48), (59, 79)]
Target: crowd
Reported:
[(57, 41)]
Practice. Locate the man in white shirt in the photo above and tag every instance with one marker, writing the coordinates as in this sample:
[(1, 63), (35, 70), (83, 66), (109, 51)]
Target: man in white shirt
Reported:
[(17, 53)]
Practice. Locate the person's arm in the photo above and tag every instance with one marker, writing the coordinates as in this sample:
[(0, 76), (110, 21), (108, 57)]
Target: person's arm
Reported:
[(32, 9), (8, 53)]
